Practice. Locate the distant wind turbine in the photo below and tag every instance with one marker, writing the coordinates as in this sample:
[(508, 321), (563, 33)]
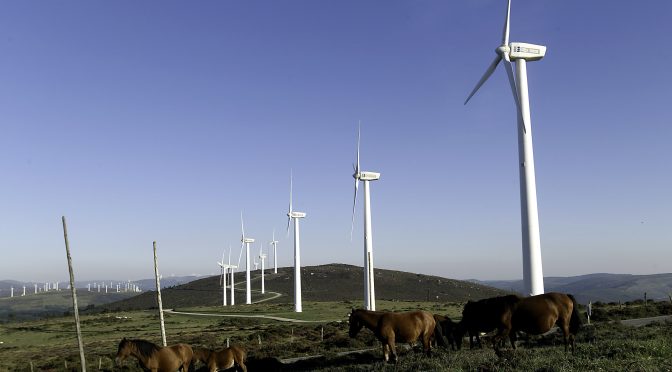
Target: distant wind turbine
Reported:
[(274, 243), (262, 258), (222, 277), (296, 216), (365, 177), (246, 242), (533, 277)]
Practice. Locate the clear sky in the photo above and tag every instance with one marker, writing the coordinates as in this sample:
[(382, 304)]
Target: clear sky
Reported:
[(163, 120)]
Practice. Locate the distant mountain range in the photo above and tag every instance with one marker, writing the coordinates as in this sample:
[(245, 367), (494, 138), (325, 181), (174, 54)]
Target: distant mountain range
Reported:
[(599, 287), (335, 282)]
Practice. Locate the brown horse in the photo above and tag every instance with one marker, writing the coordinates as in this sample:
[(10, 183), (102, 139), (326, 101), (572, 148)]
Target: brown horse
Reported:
[(446, 332), (535, 315), (222, 359), (155, 358), (391, 327), (486, 315)]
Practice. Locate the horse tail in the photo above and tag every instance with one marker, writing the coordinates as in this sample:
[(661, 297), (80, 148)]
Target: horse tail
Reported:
[(438, 334), (575, 320)]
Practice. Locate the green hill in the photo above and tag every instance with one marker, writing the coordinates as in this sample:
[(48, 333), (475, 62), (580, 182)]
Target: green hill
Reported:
[(333, 282)]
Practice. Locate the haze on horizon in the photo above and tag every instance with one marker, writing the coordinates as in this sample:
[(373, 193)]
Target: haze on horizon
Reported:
[(163, 121)]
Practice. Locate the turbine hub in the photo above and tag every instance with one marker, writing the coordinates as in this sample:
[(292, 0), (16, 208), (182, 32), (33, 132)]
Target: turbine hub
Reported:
[(502, 50)]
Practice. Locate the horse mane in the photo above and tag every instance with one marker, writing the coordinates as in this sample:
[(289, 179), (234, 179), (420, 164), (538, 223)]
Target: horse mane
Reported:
[(145, 348)]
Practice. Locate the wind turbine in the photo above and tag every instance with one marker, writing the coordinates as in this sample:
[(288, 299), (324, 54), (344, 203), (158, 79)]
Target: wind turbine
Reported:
[(233, 267), (365, 177), (222, 276), (533, 277), (275, 253), (246, 241), (262, 258), (293, 215)]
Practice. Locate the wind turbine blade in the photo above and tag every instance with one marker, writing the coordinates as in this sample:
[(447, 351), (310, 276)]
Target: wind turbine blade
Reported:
[(291, 176), (514, 90), (289, 218), (242, 226), (505, 36), (359, 132), (240, 255), (485, 77)]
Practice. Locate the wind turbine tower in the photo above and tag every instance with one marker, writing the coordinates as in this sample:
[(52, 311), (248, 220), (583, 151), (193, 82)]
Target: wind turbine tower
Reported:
[(296, 216), (365, 177), (262, 258), (222, 277), (521, 53), (275, 253), (233, 267), (246, 241)]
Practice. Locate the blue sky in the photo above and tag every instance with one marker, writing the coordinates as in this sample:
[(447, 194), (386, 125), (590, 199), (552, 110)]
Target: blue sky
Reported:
[(163, 120)]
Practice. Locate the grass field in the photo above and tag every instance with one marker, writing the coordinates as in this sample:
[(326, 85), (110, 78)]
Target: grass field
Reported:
[(50, 344)]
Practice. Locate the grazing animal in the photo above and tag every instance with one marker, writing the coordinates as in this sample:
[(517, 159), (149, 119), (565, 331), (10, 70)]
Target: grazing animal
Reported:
[(391, 327), (155, 358), (222, 359), (486, 315), (535, 315), (446, 332)]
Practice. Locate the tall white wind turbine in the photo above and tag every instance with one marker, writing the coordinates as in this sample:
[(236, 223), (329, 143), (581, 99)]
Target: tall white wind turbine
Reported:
[(521, 53), (233, 271), (262, 258), (296, 216), (246, 242), (274, 243), (365, 177), (224, 271)]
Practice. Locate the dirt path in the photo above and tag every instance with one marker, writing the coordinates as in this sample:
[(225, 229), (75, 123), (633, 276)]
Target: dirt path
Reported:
[(259, 316)]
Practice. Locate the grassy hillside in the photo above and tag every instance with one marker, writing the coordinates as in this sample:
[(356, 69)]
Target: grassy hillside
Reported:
[(51, 344), (333, 282)]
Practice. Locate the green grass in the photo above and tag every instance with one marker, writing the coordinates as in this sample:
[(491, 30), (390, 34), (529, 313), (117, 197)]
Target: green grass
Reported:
[(50, 343)]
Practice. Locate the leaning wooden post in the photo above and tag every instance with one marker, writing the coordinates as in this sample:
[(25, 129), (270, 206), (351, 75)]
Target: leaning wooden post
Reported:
[(158, 295), (74, 296)]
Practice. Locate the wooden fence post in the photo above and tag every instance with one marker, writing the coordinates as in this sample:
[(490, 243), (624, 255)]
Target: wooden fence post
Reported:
[(158, 295), (74, 297)]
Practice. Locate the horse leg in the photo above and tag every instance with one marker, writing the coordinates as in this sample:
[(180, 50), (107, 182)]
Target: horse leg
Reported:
[(426, 343), (393, 349), (386, 352), (242, 365)]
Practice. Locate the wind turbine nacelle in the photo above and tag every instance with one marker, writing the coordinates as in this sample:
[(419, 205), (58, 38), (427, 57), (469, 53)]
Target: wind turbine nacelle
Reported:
[(528, 52), (369, 176), (248, 240), (296, 214)]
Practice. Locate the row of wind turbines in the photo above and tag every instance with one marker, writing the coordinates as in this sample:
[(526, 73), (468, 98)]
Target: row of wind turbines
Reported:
[(517, 52)]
